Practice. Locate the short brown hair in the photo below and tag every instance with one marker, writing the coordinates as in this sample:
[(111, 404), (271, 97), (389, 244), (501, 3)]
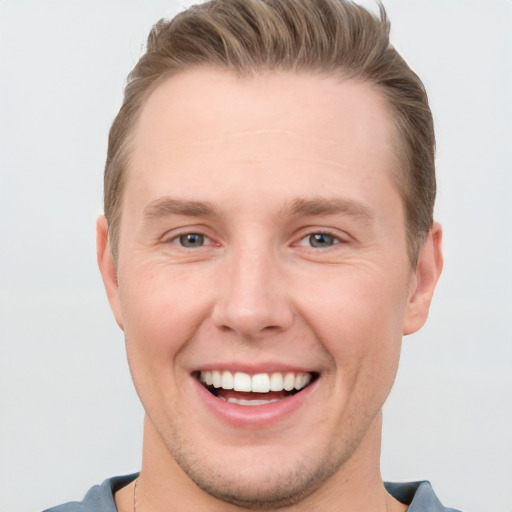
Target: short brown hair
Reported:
[(325, 36)]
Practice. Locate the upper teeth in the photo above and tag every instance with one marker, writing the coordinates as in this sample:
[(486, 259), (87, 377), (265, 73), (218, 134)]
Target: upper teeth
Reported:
[(258, 383)]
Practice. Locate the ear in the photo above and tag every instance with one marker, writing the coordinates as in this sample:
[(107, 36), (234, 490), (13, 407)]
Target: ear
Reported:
[(427, 272), (108, 268)]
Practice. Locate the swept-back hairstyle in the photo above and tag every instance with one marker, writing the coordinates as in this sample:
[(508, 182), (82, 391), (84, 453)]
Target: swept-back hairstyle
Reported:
[(337, 37)]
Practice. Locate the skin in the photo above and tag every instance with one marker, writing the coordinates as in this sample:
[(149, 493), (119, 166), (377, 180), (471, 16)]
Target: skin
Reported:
[(278, 157)]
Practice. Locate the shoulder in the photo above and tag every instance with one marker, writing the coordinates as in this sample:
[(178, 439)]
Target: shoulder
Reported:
[(418, 495), (99, 498)]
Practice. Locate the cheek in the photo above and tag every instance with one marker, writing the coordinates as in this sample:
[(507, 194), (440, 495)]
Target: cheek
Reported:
[(162, 309), (357, 315)]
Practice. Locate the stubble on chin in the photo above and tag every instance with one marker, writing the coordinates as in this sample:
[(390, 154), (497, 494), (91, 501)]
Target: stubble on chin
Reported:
[(278, 487)]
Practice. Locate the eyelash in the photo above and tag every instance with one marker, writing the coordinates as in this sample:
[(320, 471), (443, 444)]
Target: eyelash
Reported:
[(335, 240), (179, 239)]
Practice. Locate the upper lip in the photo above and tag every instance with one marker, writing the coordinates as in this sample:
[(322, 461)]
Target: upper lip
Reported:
[(252, 369)]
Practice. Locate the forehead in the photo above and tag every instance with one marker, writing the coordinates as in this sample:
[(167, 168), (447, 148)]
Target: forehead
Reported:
[(204, 123)]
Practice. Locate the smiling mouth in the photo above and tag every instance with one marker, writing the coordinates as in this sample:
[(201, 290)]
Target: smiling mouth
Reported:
[(258, 389)]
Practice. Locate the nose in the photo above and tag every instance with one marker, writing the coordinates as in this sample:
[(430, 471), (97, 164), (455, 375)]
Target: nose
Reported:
[(252, 299)]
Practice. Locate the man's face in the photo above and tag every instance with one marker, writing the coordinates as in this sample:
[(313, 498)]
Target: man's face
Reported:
[(262, 244)]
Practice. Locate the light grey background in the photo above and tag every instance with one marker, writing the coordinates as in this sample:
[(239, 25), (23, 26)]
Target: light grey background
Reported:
[(69, 415)]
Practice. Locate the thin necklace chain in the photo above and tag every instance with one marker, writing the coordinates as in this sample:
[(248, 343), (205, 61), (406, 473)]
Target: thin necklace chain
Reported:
[(135, 494)]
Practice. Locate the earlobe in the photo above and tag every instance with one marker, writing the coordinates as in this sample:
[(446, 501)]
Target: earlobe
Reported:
[(107, 268), (426, 275)]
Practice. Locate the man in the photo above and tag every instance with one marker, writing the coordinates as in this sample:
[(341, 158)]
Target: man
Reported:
[(267, 241)]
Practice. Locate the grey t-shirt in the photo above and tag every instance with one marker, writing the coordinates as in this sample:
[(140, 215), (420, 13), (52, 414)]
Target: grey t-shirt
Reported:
[(418, 495)]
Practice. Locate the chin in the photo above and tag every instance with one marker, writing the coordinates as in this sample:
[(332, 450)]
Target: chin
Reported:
[(259, 488), (261, 477)]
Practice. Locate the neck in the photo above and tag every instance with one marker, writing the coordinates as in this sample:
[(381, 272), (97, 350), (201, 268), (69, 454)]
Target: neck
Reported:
[(163, 486)]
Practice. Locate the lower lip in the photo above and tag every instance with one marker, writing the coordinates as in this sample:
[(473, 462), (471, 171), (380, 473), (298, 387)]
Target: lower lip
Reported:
[(253, 416)]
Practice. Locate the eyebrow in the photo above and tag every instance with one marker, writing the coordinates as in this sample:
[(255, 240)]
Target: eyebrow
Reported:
[(331, 206), (316, 206), (165, 206)]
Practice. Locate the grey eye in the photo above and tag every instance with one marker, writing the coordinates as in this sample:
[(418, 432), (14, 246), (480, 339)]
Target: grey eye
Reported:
[(321, 240), (191, 240)]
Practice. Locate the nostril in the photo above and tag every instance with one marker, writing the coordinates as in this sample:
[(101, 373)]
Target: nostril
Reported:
[(271, 328), (248, 328)]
